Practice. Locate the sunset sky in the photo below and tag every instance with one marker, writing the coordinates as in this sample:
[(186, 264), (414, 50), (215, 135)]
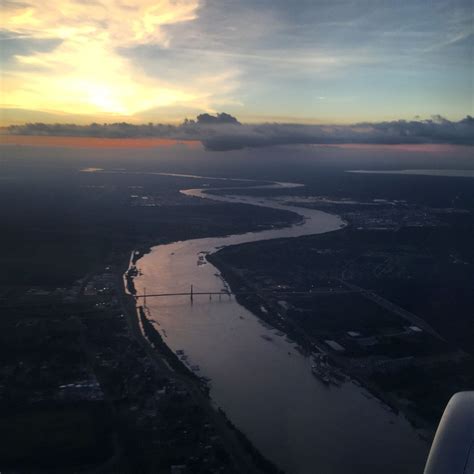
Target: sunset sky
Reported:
[(303, 61)]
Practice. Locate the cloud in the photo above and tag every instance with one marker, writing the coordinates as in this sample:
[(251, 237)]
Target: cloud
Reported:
[(218, 119), (121, 59), (437, 130), (223, 132), (84, 71), (103, 20)]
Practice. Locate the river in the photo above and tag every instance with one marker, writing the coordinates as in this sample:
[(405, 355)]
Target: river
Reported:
[(264, 384)]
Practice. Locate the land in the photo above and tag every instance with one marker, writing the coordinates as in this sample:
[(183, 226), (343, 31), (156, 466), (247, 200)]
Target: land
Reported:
[(82, 389), (83, 220), (80, 381), (388, 299)]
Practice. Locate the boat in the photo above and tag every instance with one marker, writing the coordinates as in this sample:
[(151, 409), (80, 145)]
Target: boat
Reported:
[(320, 374)]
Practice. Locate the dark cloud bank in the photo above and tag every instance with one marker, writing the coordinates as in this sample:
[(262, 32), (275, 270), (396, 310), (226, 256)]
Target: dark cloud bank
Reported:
[(223, 132)]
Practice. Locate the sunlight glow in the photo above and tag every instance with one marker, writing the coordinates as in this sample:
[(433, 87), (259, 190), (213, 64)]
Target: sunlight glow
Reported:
[(85, 73), (298, 62)]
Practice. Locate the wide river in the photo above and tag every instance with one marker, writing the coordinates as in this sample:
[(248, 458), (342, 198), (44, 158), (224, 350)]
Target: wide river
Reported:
[(263, 384)]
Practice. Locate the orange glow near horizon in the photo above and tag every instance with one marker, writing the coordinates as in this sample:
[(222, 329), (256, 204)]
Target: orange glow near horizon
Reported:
[(94, 142)]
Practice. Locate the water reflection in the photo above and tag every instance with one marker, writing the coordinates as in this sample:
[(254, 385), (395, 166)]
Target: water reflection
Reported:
[(258, 377)]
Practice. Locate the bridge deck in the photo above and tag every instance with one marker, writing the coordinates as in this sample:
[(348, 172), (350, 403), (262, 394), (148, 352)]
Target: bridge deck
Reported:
[(265, 292)]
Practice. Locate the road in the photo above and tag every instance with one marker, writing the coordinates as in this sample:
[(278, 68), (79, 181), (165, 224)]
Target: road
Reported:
[(392, 307)]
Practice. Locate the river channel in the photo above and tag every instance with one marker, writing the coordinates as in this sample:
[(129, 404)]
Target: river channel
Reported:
[(264, 385)]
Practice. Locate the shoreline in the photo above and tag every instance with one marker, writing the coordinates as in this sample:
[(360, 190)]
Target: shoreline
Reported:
[(306, 346), (151, 338), (304, 343)]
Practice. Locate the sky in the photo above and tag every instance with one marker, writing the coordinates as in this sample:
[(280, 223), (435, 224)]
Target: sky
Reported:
[(300, 61)]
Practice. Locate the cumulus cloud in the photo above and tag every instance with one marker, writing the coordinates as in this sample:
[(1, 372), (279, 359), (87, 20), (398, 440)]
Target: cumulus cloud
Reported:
[(436, 130), (223, 132), (218, 119)]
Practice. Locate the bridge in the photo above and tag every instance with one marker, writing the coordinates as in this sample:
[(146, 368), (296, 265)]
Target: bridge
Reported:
[(191, 293)]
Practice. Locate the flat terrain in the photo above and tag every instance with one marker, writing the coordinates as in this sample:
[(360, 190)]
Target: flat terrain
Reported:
[(393, 290), (58, 223), (80, 388), (389, 298)]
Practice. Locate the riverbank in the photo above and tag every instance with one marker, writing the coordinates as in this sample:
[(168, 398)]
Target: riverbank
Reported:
[(247, 455), (386, 353), (268, 309), (255, 302), (255, 368)]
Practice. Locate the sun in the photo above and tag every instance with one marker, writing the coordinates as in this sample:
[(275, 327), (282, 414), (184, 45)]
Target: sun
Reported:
[(86, 73)]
